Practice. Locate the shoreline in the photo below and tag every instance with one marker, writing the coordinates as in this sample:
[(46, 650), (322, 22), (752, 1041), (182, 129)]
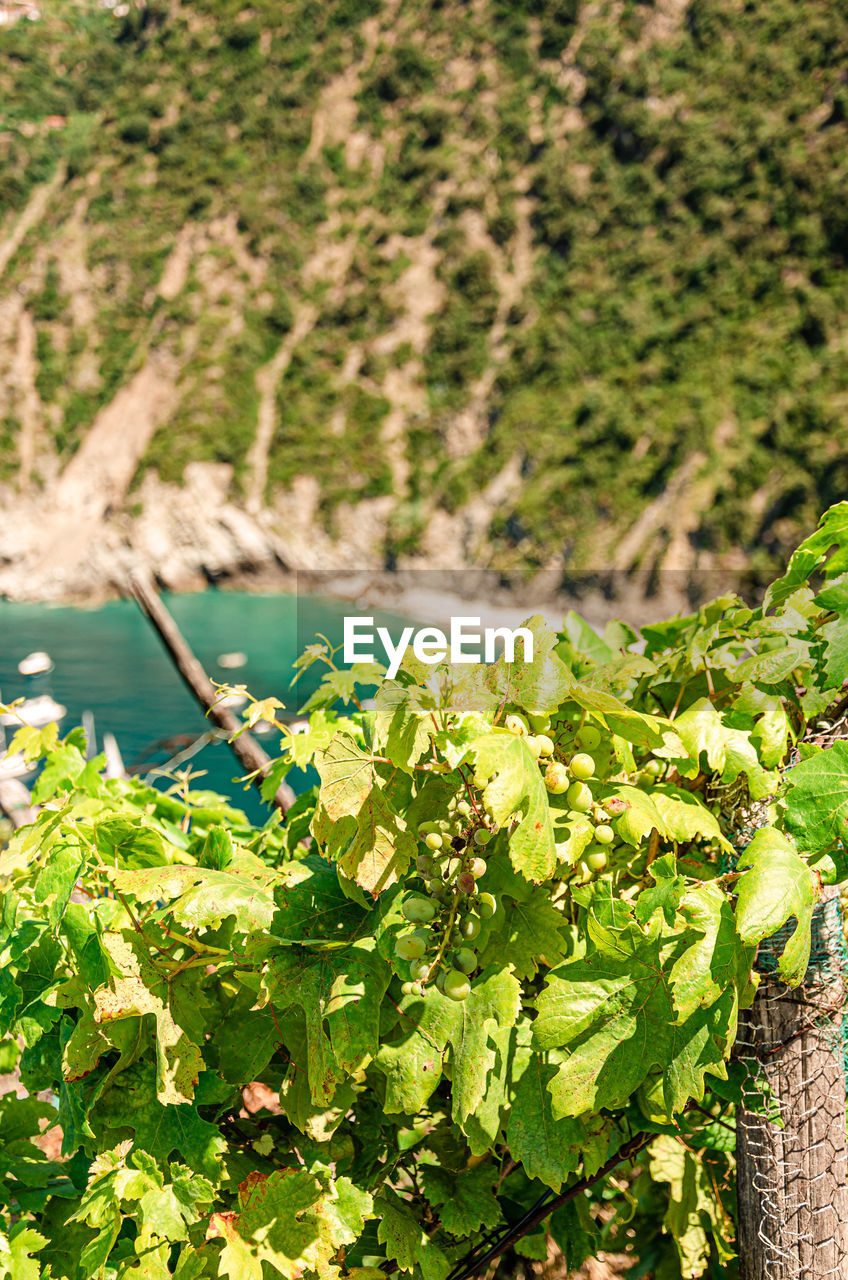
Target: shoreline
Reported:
[(432, 596)]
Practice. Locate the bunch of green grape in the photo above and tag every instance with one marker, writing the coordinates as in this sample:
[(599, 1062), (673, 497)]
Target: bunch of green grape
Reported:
[(449, 908), (575, 762), (572, 766)]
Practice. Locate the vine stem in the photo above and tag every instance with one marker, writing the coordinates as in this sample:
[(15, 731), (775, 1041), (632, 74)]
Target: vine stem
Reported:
[(434, 966), (539, 1212)]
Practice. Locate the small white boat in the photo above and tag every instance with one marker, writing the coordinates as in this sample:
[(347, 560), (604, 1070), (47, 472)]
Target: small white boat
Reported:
[(36, 664), (14, 767), (229, 661), (35, 712)]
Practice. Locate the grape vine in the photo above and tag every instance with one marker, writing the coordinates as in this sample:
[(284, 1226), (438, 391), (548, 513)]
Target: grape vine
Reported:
[(479, 989)]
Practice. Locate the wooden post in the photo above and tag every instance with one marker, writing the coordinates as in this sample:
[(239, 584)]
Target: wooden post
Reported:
[(792, 1182), (246, 749)]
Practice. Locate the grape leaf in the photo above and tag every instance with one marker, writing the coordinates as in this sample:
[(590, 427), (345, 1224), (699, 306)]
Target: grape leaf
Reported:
[(312, 905), (612, 1011), (728, 751), (775, 886), (405, 1240), (832, 533), (551, 1149), (199, 896), (584, 639), (494, 1002), (640, 818), (139, 989), (527, 927), (16, 1250), (666, 893), (509, 775), (835, 636), (775, 665), (347, 775), (817, 799), (57, 879), (404, 724), (770, 728), (130, 1104), (483, 1127), (375, 849), (693, 1201), (289, 1221), (684, 817), (539, 686), (466, 1202), (300, 748), (707, 956), (412, 1059), (340, 993)]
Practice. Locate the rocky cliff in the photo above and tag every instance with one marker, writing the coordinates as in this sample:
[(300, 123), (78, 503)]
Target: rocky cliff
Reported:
[(508, 283)]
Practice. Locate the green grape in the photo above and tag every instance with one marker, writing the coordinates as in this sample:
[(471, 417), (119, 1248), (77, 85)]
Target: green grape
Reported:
[(409, 947), (425, 864), (615, 806), (556, 778), (539, 724), (419, 970), (465, 960), (604, 833), (440, 980), (588, 737), (469, 928), (483, 837), (464, 808), (534, 746), (457, 986), (433, 840), (478, 867), (516, 725), (546, 746), (408, 988), (487, 905), (653, 768), (596, 859), (425, 828), (582, 767), (580, 797), (417, 909)]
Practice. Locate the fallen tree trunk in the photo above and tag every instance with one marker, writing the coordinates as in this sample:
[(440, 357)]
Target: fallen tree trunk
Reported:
[(247, 750)]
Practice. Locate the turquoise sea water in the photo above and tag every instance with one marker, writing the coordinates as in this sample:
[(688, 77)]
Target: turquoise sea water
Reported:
[(110, 661)]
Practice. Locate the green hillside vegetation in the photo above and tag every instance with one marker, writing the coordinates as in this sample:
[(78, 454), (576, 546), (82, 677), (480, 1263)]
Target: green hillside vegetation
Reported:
[(629, 221)]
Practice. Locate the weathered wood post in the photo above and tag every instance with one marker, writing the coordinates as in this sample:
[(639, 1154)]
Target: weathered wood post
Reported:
[(792, 1176)]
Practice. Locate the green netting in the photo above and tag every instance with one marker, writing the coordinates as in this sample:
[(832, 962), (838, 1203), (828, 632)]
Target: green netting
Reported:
[(828, 961)]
